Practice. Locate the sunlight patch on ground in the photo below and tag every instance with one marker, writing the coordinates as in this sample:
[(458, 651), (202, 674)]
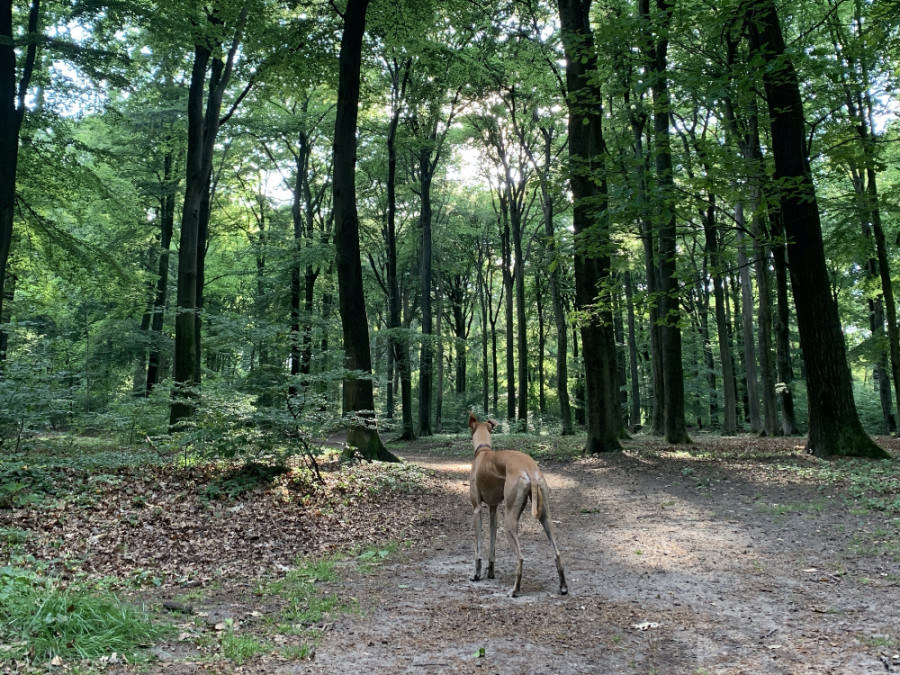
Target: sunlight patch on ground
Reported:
[(444, 465)]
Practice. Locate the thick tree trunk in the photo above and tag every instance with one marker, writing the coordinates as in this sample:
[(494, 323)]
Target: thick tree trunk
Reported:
[(669, 306), (12, 113), (587, 175), (835, 428), (203, 128), (358, 395)]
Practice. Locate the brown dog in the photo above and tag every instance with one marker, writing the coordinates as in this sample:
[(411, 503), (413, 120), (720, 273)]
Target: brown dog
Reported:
[(513, 478)]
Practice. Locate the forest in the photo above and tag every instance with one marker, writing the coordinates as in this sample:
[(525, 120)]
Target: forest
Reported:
[(613, 216), (249, 247)]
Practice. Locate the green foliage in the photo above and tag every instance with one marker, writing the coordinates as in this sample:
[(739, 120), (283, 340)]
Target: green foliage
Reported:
[(230, 426), (41, 619)]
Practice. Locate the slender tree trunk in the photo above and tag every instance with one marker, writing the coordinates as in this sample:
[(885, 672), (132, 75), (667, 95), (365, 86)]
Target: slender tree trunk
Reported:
[(634, 416), (439, 359), (835, 428), (748, 323), (559, 314), (542, 344), (167, 226), (761, 264), (482, 299), (358, 395), (729, 419), (509, 291), (785, 372), (426, 358), (399, 74), (521, 317), (587, 174), (764, 324)]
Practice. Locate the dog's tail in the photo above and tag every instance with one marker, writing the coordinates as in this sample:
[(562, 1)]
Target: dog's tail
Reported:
[(537, 501)]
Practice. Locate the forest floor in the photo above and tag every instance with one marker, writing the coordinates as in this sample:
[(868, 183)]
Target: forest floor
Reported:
[(738, 555)]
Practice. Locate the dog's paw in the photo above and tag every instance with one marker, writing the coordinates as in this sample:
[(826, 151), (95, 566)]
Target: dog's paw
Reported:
[(476, 578), (563, 590)]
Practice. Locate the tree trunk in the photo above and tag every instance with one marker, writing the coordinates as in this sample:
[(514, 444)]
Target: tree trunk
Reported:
[(167, 226), (785, 372), (542, 343), (729, 418), (587, 174), (399, 74), (509, 291), (764, 323), (748, 323), (439, 359), (634, 417), (358, 395), (669, 309), (426, 357), (559, 315), (9, 294), (12, 113), (521, 317), (203, 127), (482, 299), (835, 428)]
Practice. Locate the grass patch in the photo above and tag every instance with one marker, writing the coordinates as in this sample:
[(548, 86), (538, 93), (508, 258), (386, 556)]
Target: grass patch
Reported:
[(242, 648), (305, 604), (811, 508), (40, 620)]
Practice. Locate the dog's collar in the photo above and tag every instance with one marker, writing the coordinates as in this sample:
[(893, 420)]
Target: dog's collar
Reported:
[(482, 447)]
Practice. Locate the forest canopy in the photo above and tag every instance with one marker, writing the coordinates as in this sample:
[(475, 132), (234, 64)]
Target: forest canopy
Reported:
[(243, 224)]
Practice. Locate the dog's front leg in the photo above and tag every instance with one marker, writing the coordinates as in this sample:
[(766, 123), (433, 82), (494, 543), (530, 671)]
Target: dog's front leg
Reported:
[(477, 523), (493, 546)]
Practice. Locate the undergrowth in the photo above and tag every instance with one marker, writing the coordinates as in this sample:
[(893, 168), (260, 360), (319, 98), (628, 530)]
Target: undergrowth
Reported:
[(43, 621)]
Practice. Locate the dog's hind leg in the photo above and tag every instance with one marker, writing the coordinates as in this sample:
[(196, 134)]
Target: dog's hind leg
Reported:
[(544, 517), (515, 504), (493, 544), (476, 517)]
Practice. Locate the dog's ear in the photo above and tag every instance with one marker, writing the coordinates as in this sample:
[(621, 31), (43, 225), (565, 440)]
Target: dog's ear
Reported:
[(492, 424), (473, 422)]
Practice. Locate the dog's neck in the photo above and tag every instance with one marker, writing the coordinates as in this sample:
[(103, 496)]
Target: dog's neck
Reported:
[(483, 446)]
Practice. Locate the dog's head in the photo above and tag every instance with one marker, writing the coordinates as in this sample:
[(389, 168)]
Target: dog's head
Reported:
[(474, 425)]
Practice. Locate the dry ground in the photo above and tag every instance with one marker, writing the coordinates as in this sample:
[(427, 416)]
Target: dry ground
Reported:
[(672, 568)]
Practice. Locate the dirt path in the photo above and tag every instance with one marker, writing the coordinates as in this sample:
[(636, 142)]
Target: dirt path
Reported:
[(670, 570)]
